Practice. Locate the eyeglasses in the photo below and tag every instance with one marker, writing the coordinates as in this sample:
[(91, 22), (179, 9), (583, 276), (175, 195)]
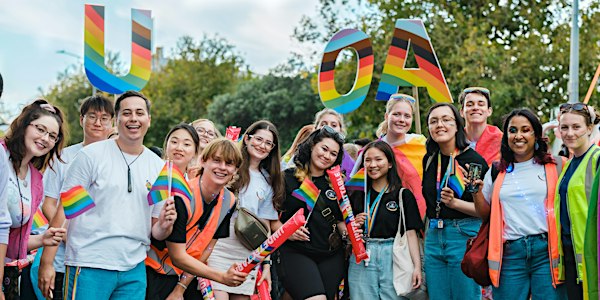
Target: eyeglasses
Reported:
[(477, 89), (104, 119), (336, 135), (403, 97), (258, 140), (41, 131), (209, 133), (445, 121)]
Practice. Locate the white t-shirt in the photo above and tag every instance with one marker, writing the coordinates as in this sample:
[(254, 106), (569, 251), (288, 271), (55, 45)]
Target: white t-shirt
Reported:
[(115, 234), (5, 220), (523, 197), (53, 179), (258, 197)]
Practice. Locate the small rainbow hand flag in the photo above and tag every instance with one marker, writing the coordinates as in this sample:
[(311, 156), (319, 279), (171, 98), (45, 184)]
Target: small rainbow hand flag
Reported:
[(357, 181), (39, 220), (179, 185), (76, 201), (307, 192), (456, 180)]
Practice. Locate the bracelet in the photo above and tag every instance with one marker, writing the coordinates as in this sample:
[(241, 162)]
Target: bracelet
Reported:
[(267, 262), (179, 283)]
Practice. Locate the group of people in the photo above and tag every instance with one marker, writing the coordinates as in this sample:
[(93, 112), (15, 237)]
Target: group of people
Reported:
[(123, 248)]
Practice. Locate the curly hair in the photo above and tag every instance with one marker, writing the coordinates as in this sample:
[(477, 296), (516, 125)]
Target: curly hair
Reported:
[(303, 153), (15, 136), (540, 155)]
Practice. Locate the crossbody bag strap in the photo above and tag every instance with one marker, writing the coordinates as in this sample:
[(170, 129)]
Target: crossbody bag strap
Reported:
[(325, 211)]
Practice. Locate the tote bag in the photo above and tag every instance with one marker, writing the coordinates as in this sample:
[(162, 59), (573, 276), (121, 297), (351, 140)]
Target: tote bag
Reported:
[(403, 267)]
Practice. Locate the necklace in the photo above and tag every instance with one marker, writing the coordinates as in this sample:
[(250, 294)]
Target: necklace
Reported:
[(212, 195), (129, 187)]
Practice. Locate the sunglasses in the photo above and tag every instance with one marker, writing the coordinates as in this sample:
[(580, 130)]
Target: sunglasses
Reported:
[(403, 97), (477, 89), (574, 106), (336, 135)]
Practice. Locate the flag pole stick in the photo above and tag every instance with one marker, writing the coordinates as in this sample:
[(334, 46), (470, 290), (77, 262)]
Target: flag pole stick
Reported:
[(170, 177)]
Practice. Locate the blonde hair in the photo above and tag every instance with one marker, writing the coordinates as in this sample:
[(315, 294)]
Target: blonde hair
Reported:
[(394, 99), (302, 134), (328, 111), (217, 132), (228, 150)]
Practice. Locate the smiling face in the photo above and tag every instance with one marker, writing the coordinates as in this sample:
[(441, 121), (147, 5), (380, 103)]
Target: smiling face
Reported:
[(96, 125), (217, 170), (206, 132), (323, 155), (376, 164), (399, 118), (475, 109), (442, 125), (180, 148), (259, 144), (133, 120), (41, 136), (574, 132), (521, 138), (330, 120)]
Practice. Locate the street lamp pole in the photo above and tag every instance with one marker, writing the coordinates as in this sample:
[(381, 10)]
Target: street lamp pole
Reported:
[(65, 52), (574, 61)]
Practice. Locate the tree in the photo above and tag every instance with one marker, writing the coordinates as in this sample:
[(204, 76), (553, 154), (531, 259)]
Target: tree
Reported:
[(288, 102), (518, 49)]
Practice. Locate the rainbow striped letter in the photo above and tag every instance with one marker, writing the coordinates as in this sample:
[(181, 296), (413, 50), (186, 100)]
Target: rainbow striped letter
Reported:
[(141, 51)]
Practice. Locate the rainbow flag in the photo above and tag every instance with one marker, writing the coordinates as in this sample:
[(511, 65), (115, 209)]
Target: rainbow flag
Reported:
[(39, 220), (76, 201), (409, 160), (179, 185), (307, 192), (357, 181), (456, 180)]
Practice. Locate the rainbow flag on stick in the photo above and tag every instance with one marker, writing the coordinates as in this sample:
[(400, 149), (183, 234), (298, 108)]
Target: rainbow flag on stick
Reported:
[(39, 220), (456, 180), (307, 192), (170, 181), (357, 182), (76, 201)]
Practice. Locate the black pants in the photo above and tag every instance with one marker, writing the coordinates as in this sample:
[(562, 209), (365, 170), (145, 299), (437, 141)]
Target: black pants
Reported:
[(574, 289), (159, 286)]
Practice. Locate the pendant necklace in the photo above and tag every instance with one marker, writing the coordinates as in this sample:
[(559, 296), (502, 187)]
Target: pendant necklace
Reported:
[(129, 186)]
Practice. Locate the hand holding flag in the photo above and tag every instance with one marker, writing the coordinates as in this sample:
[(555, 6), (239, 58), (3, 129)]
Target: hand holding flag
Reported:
[(170, 181)]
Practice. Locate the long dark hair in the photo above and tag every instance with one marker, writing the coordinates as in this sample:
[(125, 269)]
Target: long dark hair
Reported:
[(302, 155), (393, 179), (540, 155), (15, 137), (271, 163), (461, 137)]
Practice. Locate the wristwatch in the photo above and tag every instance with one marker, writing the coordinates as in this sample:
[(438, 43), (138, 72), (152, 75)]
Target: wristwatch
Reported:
[(267, 262)]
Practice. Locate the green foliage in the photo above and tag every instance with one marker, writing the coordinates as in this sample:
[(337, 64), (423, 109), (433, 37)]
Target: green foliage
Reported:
[(288, 102), (518, 49)]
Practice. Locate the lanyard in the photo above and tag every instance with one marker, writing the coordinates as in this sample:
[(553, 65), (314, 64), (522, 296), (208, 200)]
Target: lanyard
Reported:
[(439, 181), (371, 209)]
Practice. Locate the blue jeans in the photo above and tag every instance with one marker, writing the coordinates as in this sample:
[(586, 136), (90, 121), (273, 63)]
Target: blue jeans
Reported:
[(444, 251), (99, 284), (526, 271), (374, 281)]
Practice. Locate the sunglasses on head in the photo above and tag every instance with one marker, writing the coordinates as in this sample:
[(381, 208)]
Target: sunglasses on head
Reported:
[(477, 89), (574, 106), (336, 135), (399, 97)]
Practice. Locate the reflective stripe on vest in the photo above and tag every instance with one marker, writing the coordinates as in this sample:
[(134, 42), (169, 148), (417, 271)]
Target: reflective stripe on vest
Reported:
[(578, 194), (196, 240), (496, 237)]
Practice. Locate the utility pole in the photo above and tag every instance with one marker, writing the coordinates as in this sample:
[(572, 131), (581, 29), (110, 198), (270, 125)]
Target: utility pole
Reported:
[(574, 61)]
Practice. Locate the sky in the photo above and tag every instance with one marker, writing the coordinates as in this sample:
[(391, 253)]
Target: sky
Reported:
[(32, 31)]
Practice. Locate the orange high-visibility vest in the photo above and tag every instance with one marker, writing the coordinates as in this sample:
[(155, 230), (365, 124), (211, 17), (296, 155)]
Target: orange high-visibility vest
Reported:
[(196, 240), (496, 237)]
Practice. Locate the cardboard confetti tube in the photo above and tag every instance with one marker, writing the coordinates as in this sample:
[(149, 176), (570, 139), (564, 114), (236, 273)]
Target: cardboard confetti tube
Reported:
[(273, 242), (337, 182)]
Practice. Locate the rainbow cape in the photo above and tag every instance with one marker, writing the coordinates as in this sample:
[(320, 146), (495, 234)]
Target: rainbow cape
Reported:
[(409, 160), (76, 201), (308, 193), (357, 181), (179, 185), (456, 178), (39, 220)]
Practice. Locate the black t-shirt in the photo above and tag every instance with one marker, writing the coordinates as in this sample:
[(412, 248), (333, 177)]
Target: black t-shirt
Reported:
[(429, 182), (179, 227), (388, 214), (317, 225)]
